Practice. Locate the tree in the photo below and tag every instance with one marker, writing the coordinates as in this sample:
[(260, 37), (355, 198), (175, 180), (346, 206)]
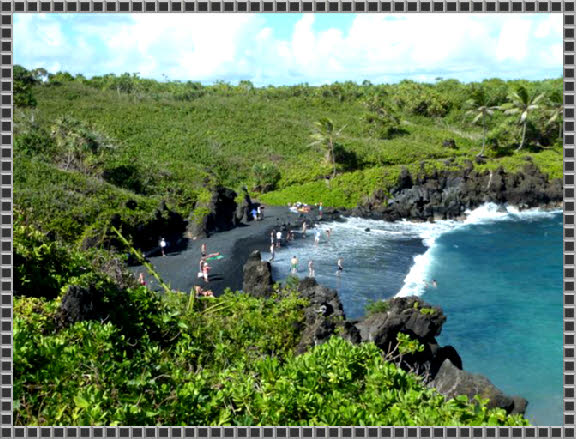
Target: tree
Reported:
[(524, 104), (325, 135), (555, 110), (23, 82), (382, 116), (479, 109), (79, 147)]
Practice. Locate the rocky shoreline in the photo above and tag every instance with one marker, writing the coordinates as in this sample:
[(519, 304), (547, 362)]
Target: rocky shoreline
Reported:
[(439, 366), (447, 194)]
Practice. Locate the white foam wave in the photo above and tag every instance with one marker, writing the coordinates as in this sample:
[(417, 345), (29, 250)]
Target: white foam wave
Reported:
[(418, 276)]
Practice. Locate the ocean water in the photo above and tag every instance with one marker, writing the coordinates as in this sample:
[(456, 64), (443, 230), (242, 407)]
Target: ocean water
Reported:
[(499, 281)]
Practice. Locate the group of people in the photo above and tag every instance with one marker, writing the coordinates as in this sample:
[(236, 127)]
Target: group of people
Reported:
[(311, 270), (285, 235), (204, 267), (257, 213)]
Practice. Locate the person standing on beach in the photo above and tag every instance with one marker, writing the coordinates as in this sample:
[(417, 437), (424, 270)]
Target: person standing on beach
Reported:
[(340, 266), (205, 269), (162, 246), (311, 271), (294, 265)]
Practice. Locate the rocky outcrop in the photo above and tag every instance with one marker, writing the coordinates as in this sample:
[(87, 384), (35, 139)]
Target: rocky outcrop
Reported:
[(442, 366), (447, 194), (145, 232), (243, 210), (323, 317), (80, 304), (216, 215), (257, 276), (451, 381), (411, 316)]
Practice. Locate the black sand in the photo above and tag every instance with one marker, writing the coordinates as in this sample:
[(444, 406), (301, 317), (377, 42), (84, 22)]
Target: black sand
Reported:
[(180, 267)]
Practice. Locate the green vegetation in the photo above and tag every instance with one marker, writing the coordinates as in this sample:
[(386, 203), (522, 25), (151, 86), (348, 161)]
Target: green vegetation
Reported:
[(98, 159), (172, 140)]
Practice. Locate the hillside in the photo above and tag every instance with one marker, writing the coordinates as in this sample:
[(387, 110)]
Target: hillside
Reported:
[(171, 141)]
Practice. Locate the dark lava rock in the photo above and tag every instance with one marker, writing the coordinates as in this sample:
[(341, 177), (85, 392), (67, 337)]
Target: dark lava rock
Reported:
[(257, 276), (450, 381), (324, 316), (446, 194), (80, 304), (220, 214), (402, 316), (449, 143)]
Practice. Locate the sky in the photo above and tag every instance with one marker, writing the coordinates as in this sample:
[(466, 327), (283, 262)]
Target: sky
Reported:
[(287, 49)]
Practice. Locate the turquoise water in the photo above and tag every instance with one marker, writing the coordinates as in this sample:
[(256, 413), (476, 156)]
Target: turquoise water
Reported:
[(500, 284), (499, 279)]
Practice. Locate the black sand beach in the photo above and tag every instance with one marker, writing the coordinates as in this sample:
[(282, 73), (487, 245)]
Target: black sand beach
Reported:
[(179, 268)]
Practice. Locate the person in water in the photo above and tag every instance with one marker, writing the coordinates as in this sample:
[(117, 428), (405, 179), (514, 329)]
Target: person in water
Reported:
[(328, 231), (311, 271), (271, 253), (162, 246), (294, 265), (304, 229), (317, 238), (340, 266), (141, 280), (278, 238)]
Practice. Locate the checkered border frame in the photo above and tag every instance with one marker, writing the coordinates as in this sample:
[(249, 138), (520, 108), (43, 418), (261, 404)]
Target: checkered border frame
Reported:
[(6, 38)]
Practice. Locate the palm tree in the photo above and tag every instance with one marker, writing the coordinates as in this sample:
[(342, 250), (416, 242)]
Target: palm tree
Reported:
[(325, 135), (523, 104), (556, 113), (480, 110)]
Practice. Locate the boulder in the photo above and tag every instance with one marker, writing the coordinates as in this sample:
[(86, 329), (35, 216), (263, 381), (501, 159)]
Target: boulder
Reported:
[(451, 381), (216, 215), (404, 315), (257, 276), (323, 317), (80, 304)]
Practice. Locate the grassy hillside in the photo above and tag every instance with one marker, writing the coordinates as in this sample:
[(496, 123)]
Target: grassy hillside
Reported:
[(172, 141)]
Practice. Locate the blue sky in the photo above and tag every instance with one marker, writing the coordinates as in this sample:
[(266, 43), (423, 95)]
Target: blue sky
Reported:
[(283, 49)]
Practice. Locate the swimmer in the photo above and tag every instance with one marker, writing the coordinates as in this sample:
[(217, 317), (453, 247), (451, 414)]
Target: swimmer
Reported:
[(294, 265), (272, 253), (340, 267), (317, 239), (311, 271)]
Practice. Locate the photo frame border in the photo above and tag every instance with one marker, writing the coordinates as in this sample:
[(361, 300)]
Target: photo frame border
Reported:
[(8, 8)]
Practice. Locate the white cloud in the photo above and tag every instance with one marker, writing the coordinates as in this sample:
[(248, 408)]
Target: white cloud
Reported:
[(208, 47)]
